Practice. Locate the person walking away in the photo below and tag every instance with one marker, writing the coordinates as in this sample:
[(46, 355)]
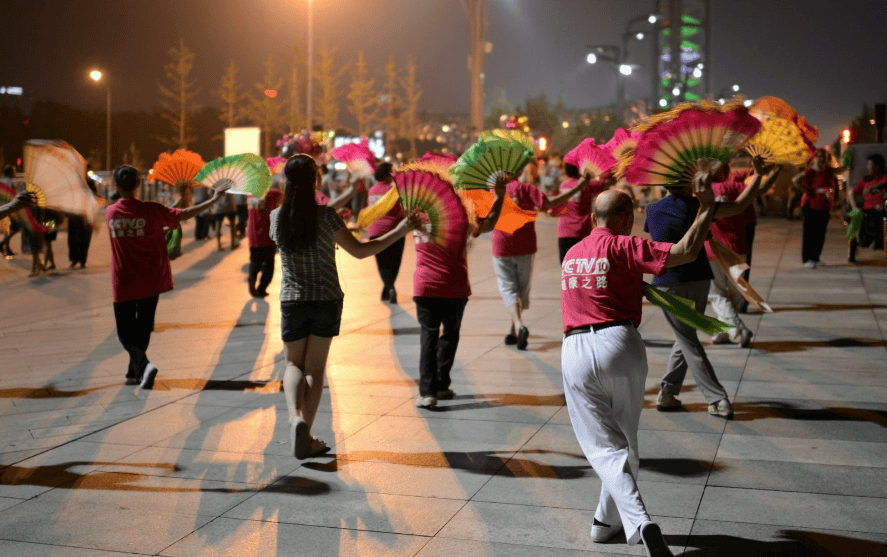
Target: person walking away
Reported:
[(603, 356), (306, 235), (262, 248), (387, 260), (668, 220), (224, 210), (140, 269), (574, 216)]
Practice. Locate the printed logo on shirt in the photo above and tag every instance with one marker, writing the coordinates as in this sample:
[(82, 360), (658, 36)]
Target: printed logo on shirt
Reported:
[(126, 228), (586, 273)]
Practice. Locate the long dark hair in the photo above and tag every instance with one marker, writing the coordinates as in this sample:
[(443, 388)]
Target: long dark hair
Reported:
[(297, 220)]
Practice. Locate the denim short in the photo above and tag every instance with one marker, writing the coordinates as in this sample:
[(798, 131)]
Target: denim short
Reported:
[(300, 319)]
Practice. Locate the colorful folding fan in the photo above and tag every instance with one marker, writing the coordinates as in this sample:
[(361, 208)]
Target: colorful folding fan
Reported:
[(511, 216), (590, 158), (24, 216), (733, 265), (369, 215), (667, 153), (181, 165), (780, 141), (245, 174), (622, 142), (276, 164), (494, 153), (358, 158), (438, 204), (773, 107), (57, 173), (309, 144)]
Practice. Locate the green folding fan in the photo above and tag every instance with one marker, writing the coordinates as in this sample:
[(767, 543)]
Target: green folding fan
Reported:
[(495, 153), (245, 174)]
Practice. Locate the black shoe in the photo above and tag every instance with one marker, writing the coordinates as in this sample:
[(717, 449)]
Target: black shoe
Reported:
[(148, 377), (386, 294), (522, 335), (510, 339), (654, 541), (131, 380), (392, 297)]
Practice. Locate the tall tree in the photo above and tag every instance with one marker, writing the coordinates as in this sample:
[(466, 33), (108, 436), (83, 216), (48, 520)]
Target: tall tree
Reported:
[(295, 116), (327, 77), (230, 94), (265, 109), (364, 100), (412, 92), (133, 157), (178, 95), (392, 103)]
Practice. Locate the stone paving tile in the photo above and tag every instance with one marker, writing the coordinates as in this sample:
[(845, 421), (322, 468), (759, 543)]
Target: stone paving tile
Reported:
[(710, 537), (22, 549), (813, 510), (226, 537), (446, 547), (811, 451), (125, 530), (545, 527), (310, 503)]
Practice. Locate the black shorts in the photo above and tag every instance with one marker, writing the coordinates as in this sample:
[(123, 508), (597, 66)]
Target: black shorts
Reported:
[(300, 319), (222, 216)]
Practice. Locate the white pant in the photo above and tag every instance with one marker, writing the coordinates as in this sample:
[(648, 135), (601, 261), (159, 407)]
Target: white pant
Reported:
[(604, 374), (722, 303)]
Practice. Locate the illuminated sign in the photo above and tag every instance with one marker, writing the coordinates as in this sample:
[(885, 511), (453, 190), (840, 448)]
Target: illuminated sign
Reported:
[(17, 91), (271, 93)]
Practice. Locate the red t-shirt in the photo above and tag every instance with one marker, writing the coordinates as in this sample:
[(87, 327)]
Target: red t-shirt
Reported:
[(819, 188), (872, 200), (258, 226), (389, 220), (729, 231), (602, 277), (439, 272), (523, 240), (575, 215), (139, 260)]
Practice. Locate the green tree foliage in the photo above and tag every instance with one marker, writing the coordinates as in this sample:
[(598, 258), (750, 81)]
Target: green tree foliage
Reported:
[(177, 97), (412, 92), (364, 99), (265, 108), (230, 95)]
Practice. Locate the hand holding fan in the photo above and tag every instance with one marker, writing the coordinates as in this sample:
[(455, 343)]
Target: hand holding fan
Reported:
[(57, 174), (243, 174), (495, 153), (181, 165), (24, 216), (780, 141), (439, 205), (358, 158), (667, 153), (590, 159)]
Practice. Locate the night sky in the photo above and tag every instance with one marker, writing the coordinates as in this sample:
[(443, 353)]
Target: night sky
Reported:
[(823, 57)]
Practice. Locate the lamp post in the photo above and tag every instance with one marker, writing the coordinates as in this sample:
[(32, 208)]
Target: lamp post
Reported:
[(477, 25), (96, 76), (309, 98), (614, 55)]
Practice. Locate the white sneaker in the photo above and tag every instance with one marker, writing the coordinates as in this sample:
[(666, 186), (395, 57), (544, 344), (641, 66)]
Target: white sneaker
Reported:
[(667, 402), (810, 264), (426, 402), (601, 533), (721, 408), (721, 338)]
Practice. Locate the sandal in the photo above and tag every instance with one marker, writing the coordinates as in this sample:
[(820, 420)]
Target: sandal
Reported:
[(319, 447)]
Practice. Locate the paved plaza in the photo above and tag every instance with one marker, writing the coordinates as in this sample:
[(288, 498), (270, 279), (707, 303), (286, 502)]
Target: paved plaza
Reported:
[(202, 466)]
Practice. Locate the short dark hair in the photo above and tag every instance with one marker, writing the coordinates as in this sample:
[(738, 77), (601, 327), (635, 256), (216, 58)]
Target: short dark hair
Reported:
[(383, 172), (878, 161), (571, 170), (126, 178), (9, 171)]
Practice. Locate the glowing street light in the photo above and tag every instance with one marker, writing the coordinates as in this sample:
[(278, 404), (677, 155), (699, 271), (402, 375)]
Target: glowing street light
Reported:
[(97, 76), (735, 88), (591, 58), (624, 69)]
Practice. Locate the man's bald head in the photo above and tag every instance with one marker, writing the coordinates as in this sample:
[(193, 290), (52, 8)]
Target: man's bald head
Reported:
[(612, 203)]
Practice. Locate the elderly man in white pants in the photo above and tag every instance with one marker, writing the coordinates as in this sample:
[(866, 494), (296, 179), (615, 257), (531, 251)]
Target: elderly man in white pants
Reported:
[(604, 361)]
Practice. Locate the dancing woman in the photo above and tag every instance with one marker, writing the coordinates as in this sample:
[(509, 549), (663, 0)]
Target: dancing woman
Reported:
[(387, 260), (820, 187), (310, 296)]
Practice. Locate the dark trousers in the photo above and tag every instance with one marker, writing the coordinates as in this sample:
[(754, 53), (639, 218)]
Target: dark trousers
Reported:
[(438, 351), (388, 261), (135, 321), (201, 227), (261, 260), (871, 231), (79, 238), (564, 245), (815, 223)]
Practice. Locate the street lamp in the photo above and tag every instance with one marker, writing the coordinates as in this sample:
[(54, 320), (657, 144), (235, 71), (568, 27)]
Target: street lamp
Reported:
[(613, 55), (96, 76), (309, 98)]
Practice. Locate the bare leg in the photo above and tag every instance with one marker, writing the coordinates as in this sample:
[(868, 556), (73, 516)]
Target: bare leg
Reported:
[(219, 225), (303, 379), (515, 311)]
